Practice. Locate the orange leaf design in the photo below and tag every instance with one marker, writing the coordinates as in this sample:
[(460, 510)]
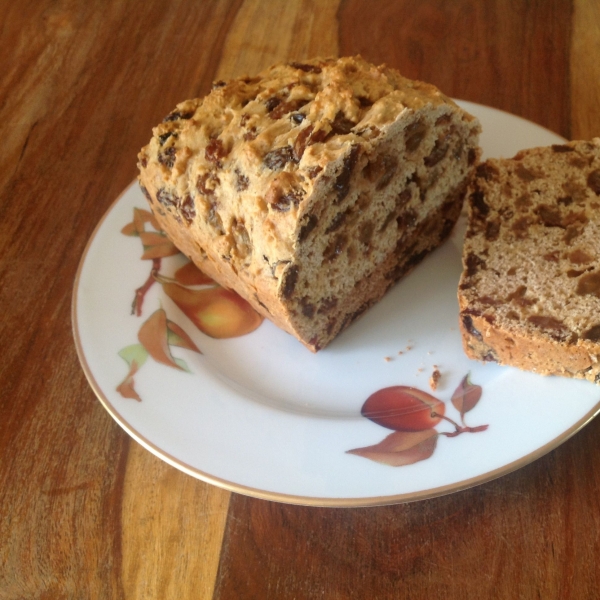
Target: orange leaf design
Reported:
[(190, 274), (466, 396), (178, 337), (153, 336), (157, 245), (125, 388), (401, 448)]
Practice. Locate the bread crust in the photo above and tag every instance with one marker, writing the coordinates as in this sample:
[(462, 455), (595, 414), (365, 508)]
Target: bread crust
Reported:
[(529, 295), (309, 187)]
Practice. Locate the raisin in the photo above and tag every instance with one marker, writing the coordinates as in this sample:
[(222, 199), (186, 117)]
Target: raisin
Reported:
[(146, 193), (440, 150), (335, 247), (290, 279), (308, 308), (574, 273), (592, 334), (188, 209), (342, 182), (473, 263), (593, 181), (327, 305), (305, 68), (478, 203), (176, 115), (580, 257), (364, 102), (242, 239), (283, 202), (443, 120), (365, 232), (525, 174), (492, 231), (215, 152), (589, 284), (549, 215), (487, 171), (520, 227), (309, 225), (207, 183), (414, 134), (241, 181), (472, 157), (164, 137), (297, 118), (302, 141), (571, 234), (278, 158), (250, 134), (167, 157), (337, 222), (403, 197), (467, 321), (286, 107), (556, 328), (562, 148), (314, 171), (272, 103), (219, 84), (518, 297), (523, 202), (341, 125), (381, 170), (214, 220), (167, 198)]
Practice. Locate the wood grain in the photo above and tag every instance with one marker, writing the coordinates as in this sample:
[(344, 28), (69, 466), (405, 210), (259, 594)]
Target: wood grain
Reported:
[(172, 530), (530, 535), (585, 70), (265, 33), (85, 83), (510, 54)]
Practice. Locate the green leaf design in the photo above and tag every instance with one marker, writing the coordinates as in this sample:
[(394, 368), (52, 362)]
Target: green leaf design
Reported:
[(135, 352)]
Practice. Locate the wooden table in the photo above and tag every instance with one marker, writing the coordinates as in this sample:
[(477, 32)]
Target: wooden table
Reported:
[(85, 512)]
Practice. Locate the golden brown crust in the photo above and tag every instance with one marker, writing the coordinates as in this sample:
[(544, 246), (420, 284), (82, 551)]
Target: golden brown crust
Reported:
[(298, 185), (529, 295)]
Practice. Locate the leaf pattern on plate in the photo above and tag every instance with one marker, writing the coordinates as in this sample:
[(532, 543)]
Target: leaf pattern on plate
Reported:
[(413, 415), (214, 310), (401, 448)]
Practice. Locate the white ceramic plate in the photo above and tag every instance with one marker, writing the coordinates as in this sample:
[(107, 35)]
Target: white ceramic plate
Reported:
[(261, 415)]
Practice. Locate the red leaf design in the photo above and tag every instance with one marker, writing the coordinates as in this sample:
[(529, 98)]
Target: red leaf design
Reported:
[(125, 388), (466, 396), (153, 336), (401, 448), (190, 274)]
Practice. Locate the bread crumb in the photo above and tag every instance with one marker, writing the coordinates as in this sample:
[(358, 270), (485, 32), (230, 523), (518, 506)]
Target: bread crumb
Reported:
[(387, 358), (435, 378)]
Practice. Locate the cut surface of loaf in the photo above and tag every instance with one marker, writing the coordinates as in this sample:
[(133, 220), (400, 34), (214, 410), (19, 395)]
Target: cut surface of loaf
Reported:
[(529, 294), (312, 187)]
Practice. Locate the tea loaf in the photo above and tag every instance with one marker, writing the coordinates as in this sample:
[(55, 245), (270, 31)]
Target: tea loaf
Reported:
[(312, 187), (529, 294)]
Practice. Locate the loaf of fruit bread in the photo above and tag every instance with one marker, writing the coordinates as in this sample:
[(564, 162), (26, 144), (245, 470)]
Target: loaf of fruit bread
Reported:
[(312, 187), (529, 294)]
